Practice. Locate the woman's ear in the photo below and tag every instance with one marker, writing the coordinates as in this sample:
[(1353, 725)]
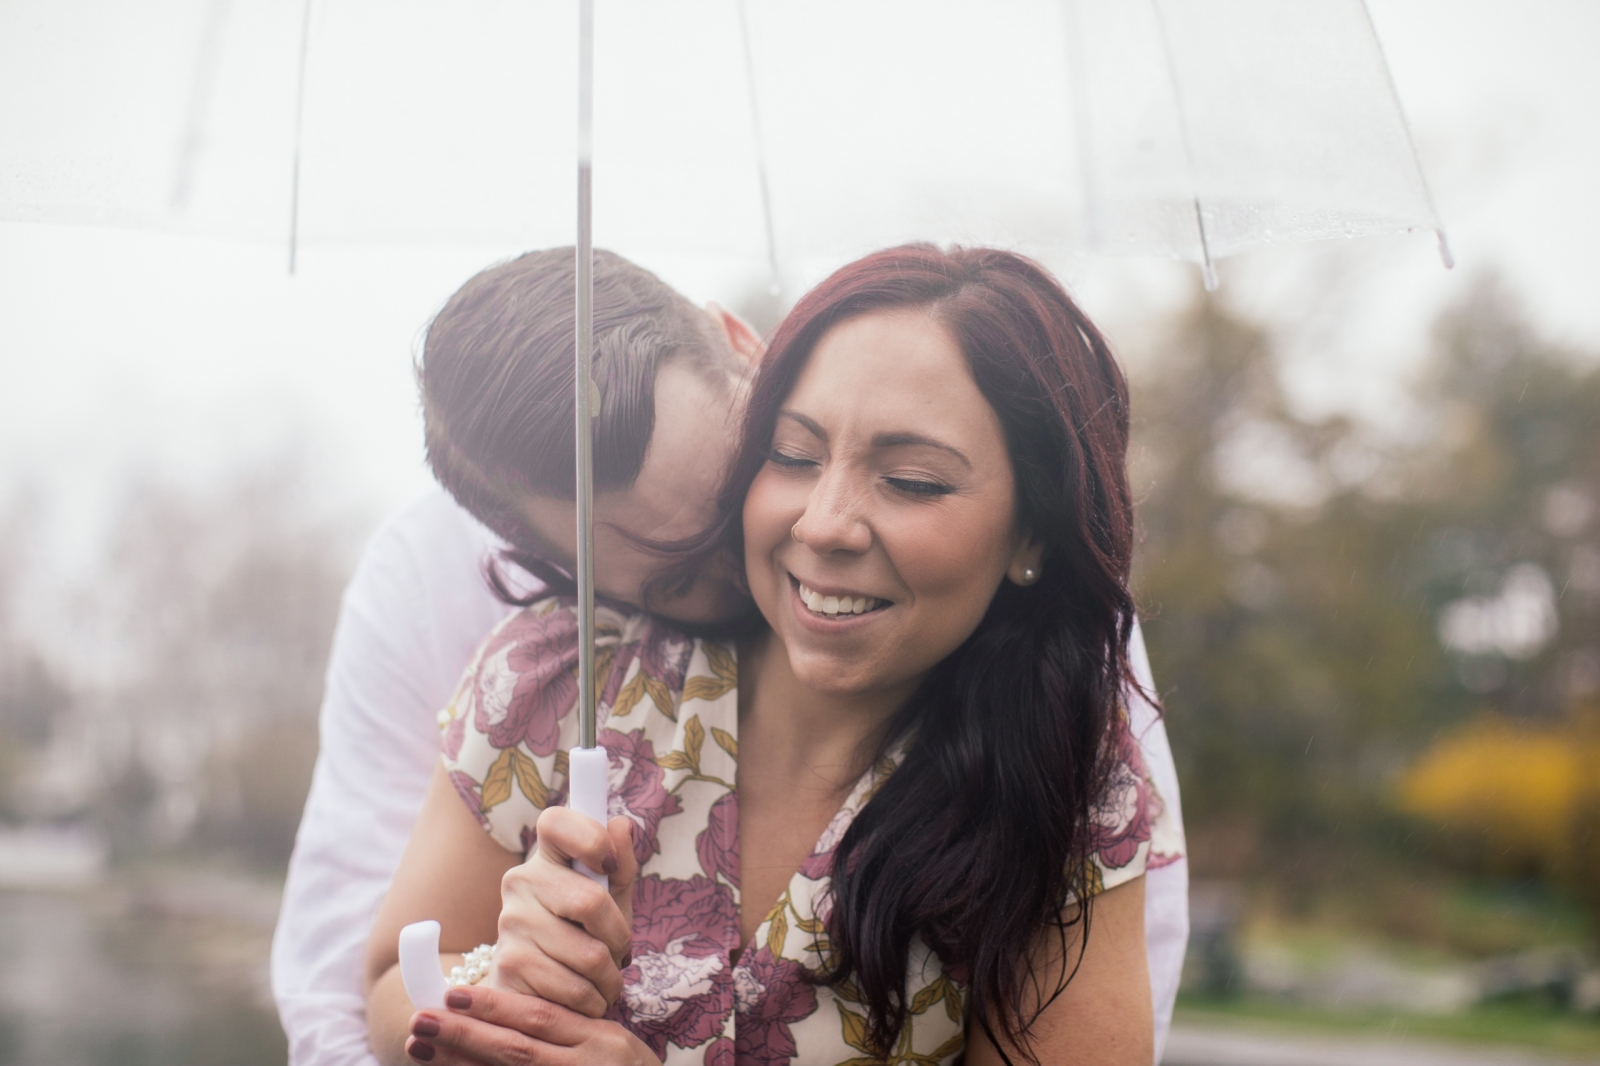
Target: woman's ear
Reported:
[(1027, 565), (742, 337)]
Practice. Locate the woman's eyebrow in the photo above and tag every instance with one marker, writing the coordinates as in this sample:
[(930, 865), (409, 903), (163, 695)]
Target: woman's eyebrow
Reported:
[(899, 439), (917, 440), (811, 425)]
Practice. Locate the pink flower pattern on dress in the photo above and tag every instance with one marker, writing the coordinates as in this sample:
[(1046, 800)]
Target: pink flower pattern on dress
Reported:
[(1121, 820), (467, 789), (634, 782), (819, 863), (663, 655), (769, 994), (454, 734), (680, 986), (524, 683), (672, 774), (718, 842)]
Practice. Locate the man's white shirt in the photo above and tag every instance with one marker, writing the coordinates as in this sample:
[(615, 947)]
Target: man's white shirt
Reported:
[(409, 622)]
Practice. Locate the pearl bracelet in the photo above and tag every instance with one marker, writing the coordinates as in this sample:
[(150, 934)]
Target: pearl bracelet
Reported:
[(474, 966)]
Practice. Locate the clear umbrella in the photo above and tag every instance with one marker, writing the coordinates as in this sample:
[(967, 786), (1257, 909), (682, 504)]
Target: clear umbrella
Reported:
[(791, 136), (1186, 128)]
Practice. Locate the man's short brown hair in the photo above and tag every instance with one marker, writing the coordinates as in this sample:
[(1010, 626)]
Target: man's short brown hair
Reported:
[(496, 376)]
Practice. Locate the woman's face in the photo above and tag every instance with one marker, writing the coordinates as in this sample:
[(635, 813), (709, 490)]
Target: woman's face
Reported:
[(884, 518)]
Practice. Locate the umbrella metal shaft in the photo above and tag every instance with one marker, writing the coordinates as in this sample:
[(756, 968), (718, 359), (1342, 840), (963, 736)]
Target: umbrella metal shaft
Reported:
[(583, 380)]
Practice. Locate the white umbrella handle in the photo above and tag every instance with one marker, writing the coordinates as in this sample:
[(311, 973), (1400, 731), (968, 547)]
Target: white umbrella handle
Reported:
[(419, 965), (586, 792), (419, 941)]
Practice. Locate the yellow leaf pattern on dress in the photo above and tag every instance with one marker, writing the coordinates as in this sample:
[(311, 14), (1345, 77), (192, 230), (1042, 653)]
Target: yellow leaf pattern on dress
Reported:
[(497, 782), (528, 779), (952, 1002), (854, 1028), (725, 740), (949, 1047), (660, 694), (930, 995), (632, 692), (694, 738), (673, 760), (777, 933), (722, 666)]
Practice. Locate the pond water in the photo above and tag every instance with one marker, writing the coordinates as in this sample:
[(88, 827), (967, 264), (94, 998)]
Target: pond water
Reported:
[(164, 967)]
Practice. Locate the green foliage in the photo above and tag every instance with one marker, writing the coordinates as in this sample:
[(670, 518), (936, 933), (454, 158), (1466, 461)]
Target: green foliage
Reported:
[(1518, 1023), (1295, 575)]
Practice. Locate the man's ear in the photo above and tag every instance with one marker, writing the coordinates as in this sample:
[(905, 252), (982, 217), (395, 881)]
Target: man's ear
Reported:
[(742, 337)]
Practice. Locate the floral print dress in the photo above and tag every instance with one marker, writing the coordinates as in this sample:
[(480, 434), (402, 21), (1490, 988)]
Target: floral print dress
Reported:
[(668, 719)]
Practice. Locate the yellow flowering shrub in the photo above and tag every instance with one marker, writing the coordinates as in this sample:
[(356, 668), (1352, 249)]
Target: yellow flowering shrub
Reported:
[(1520, 789)]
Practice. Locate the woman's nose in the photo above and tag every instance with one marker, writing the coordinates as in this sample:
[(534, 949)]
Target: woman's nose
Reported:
[(834, 518)]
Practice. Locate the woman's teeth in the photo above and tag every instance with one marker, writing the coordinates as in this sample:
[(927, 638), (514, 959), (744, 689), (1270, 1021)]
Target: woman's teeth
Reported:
[(837, 605)]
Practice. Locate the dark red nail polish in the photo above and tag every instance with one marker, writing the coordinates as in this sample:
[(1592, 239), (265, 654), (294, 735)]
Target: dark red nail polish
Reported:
[(627, 960), (425, 1025), (421, 1050), (610, 865), (458, 999)]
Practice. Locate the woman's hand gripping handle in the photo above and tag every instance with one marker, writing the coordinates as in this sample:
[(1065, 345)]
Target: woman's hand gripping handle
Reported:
[(566, 935)]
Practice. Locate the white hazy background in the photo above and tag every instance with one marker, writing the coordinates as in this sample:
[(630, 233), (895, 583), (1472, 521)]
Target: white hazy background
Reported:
[(132, 356)]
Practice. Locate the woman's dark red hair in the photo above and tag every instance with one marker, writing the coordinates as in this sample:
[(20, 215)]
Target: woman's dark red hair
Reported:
[(981, 838)]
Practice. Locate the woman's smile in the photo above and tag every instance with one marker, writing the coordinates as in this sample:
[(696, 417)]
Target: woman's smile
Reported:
[(834, 604)]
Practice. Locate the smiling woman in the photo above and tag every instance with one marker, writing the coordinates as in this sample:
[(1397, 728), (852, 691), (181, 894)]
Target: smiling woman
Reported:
[(875, 825), (945, 432), (887, 481)]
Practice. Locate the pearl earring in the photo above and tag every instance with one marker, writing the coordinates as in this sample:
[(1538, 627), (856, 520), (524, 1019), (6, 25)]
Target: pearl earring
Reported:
[(1029, 575)]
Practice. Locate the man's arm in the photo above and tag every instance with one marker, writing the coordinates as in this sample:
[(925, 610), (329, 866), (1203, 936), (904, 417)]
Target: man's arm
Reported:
[(1166, 890), (411, 616)]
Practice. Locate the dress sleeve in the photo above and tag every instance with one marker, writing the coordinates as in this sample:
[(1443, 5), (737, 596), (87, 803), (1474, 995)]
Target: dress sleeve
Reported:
[(1133, 828), (507, 730)]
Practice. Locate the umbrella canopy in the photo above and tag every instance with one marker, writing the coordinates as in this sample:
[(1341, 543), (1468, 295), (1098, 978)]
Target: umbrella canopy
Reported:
[(1187, 128)]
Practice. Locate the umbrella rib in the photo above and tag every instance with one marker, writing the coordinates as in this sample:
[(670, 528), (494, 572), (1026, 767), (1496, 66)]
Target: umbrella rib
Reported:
[(201, 90), (1445, 254), (1077, 63), (1208, 270), (299, 121), (775, 284)]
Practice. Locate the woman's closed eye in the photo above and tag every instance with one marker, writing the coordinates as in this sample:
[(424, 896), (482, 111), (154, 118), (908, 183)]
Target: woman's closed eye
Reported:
[(920, 486), (789, 460)]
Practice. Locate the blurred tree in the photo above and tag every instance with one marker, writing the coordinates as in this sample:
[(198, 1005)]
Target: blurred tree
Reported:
[(1286, 653), (216, 616), (1512, 561), (32, 696), (1320, 604)]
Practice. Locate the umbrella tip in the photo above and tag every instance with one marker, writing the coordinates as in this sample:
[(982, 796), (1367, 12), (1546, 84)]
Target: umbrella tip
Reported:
[(1446, 256)]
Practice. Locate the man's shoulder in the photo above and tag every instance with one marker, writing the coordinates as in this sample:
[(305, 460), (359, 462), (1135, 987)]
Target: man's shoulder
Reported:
[(433, 527), (421, 577)]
